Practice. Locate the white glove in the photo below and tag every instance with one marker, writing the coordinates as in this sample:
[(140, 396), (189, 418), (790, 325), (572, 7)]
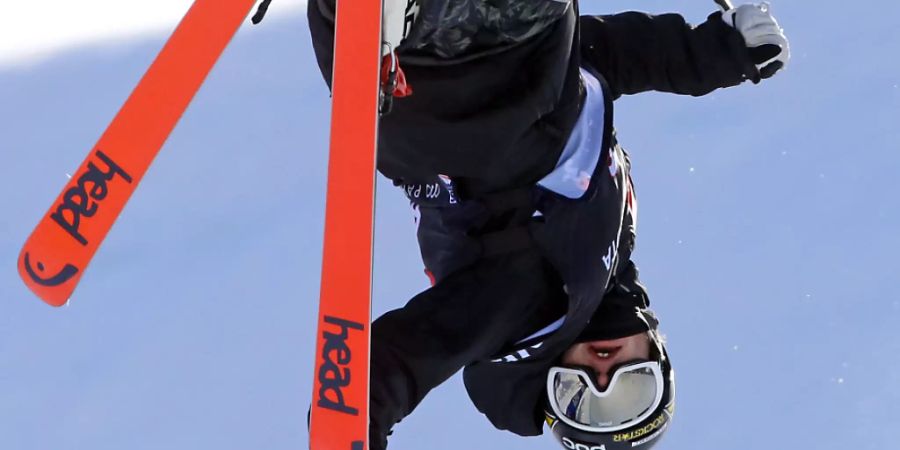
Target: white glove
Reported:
[(766, 41), (396, 21)]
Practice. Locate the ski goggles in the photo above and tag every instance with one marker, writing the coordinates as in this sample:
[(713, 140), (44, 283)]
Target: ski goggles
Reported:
[(633, 394)]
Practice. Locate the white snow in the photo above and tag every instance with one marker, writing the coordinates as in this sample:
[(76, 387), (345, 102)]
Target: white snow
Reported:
[(34, 31)]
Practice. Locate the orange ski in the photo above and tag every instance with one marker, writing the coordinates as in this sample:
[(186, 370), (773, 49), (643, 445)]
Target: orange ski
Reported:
[(340, 400), (61, 246)]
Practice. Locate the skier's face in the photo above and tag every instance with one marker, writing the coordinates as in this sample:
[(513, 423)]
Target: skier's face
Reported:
[(603, 355)]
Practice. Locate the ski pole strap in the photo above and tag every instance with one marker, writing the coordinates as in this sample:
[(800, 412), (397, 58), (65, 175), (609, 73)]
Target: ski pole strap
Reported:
[(260, 12)]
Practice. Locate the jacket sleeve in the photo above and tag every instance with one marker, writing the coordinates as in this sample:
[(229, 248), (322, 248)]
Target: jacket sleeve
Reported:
[(468, 316), (637, 52)]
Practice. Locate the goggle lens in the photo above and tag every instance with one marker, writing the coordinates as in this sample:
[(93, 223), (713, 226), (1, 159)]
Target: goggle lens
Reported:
[(633, 394)]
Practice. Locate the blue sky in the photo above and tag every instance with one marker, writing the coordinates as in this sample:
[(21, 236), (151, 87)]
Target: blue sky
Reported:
[(767, 238)]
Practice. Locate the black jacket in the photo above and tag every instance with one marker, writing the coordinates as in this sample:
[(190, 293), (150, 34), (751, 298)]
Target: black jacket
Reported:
[(495, 118)]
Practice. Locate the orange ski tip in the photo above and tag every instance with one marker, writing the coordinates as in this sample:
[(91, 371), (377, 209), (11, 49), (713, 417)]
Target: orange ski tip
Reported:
[(52, 283), (67, 237)]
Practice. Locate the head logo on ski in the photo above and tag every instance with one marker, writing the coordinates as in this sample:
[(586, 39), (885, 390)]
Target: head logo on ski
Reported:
[(81, 200), (84, 198), (334, 369)]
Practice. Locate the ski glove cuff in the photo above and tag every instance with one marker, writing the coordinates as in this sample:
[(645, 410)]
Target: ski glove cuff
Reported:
[(766, 42)]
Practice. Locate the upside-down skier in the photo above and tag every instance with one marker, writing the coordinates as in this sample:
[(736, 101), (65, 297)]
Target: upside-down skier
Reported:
[(526, 208)]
